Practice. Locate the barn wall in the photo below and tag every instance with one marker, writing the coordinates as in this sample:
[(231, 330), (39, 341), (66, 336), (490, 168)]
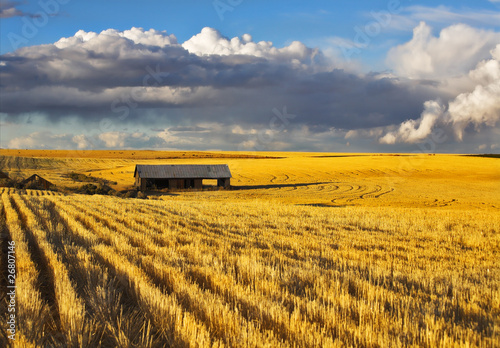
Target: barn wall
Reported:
[(179, 184), (196, 184), (38, 181), (226, 183), (175, 183)]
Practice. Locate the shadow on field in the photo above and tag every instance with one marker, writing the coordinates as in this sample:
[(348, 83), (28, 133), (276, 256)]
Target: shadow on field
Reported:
[(259, 187), (484, 155), (335, 156), (160, 193), (323, 205), (363, 155)]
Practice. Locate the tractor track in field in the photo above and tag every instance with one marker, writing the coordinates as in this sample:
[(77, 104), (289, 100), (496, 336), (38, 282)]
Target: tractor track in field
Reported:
[(354, 192), (371, 194), (385, 193)]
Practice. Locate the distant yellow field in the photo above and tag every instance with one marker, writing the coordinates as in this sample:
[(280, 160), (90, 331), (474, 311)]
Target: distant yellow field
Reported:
[(305, 250), (298, 178)]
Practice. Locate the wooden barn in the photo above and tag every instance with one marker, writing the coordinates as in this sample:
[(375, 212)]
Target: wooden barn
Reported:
[(180, 176), (38, 181)]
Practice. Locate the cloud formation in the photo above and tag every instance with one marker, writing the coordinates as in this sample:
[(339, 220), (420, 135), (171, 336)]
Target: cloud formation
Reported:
[(211, 137), (142, 76), (453, 53), (143, 89), (479, 108), (210, 42)]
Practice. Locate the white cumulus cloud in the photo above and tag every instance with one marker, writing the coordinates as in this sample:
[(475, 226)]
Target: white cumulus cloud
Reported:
[(136, 35), (454, 52), (211, 42), (479, 107), (413, 131)]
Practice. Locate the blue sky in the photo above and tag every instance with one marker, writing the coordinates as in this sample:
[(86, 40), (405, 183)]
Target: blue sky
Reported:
[(383, 47), (278, 21)]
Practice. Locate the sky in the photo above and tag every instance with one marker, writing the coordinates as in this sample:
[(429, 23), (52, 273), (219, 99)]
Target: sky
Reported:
[(322, 76)]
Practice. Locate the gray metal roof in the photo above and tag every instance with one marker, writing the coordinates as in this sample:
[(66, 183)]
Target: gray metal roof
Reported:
[(186, 171)]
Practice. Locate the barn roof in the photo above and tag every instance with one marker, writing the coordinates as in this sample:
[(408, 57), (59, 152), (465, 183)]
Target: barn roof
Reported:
[(35, 177), (179, 171)]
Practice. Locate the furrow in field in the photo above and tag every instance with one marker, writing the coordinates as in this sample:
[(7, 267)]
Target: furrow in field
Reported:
[(148, 247), (207, 306), (280, 312), (265, 286), (90, 232), (262, 284), (217, 232), (5, 241), (232, 302), (98, 220), (141, 219), (94, 237), (307, 276), (249, 308), (110, 307), (70, 306), (219, 316), (113, 305), (266, 271), (33, 313), (234, 294), (180, 327)]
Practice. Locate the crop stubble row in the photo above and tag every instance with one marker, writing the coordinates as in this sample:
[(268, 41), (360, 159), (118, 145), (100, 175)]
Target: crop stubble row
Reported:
[(251, 274)]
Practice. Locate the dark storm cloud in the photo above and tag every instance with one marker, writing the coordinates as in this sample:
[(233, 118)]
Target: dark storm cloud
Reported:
[(188, 129), (147, 77)]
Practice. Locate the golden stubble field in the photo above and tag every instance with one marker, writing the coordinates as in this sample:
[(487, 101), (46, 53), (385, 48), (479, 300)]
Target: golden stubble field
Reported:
[(307, 249)]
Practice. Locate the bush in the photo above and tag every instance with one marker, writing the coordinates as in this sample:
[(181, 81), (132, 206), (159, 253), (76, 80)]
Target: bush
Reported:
[(95, 189), (115, 193), (130, 194), (141, 195), (80, 177), (85, 178), (15, 183), (5, 183), (88, 189)]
